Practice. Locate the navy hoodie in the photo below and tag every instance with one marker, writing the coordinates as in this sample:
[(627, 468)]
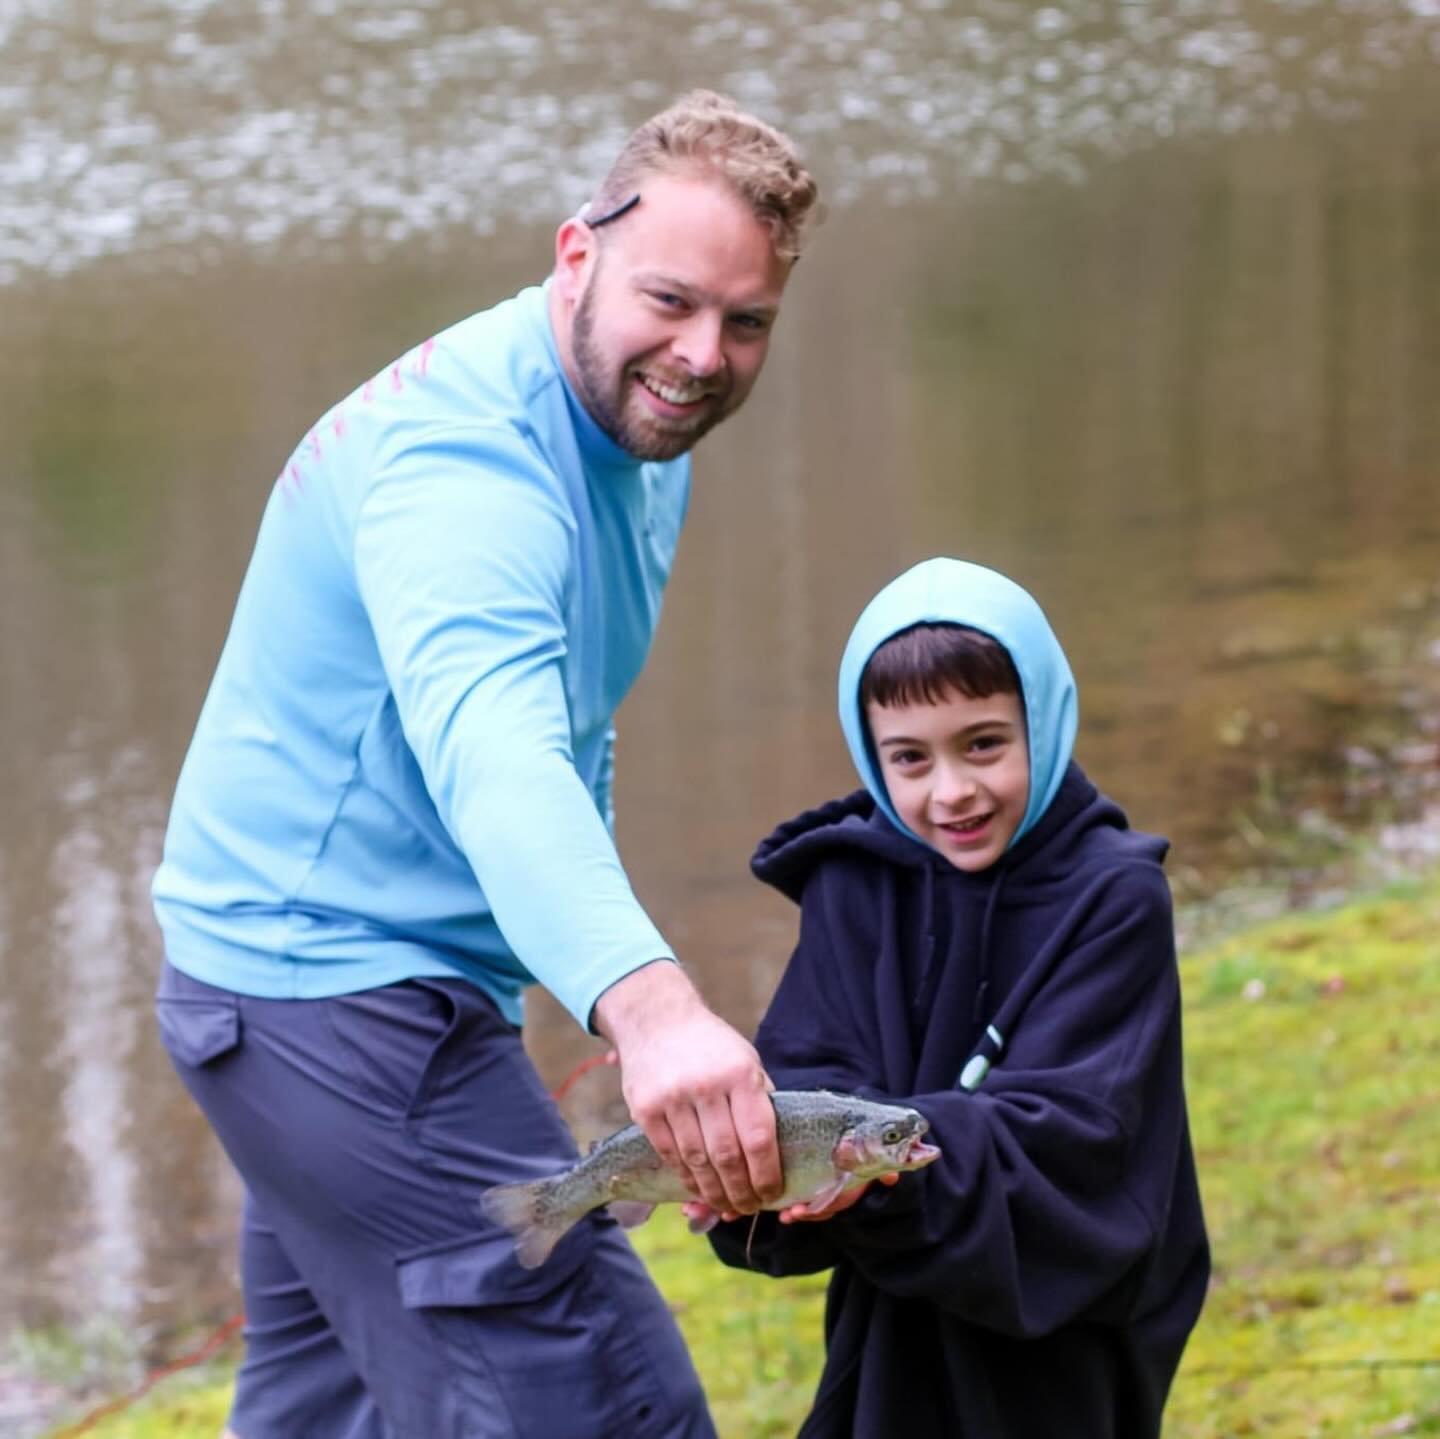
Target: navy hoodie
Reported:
[(1040, 1279)]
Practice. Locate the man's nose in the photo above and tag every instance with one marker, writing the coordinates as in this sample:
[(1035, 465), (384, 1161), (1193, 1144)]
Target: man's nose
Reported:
[(699, 344)]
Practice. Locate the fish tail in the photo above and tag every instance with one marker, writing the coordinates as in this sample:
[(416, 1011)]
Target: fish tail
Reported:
[(529, 1212)]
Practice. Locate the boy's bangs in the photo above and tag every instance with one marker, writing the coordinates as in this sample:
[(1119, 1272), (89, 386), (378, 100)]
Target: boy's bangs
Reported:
[(923, 664)]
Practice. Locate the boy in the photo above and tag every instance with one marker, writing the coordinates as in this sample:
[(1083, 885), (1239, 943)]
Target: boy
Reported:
[(984, 937)]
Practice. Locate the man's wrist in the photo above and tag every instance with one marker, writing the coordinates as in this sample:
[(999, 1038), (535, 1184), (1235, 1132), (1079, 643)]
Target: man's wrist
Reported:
[(640, 998)]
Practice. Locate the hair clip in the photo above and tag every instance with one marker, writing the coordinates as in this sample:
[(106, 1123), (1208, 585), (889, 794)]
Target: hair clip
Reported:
[(623, 207)]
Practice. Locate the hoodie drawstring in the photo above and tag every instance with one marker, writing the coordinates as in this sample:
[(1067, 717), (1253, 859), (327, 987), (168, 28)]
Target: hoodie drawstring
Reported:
[(982, 987), (927, 968), (992, 1042)]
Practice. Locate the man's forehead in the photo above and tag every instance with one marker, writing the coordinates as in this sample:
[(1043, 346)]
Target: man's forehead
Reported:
[(695, 233)]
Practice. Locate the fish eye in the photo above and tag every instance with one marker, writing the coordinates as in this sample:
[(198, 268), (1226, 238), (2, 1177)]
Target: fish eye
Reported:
[(893, 1135)]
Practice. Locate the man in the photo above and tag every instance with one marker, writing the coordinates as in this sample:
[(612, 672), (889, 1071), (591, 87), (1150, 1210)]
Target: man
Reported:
[(395, 814)]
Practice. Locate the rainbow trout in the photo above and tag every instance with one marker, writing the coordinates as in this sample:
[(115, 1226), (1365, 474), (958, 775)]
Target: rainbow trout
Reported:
[(828, 1143)]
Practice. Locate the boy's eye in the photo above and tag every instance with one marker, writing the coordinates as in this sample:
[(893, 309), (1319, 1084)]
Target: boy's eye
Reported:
[(906, 756), (751, 324), (667, 300)]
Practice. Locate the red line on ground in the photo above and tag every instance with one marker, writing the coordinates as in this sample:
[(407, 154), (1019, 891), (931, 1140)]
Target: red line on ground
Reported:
[(227, 1331)]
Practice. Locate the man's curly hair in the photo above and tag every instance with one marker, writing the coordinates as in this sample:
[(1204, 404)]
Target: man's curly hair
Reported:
[(706, 133)]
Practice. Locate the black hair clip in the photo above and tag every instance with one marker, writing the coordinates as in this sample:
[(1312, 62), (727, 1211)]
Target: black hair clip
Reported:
[(622, 208)]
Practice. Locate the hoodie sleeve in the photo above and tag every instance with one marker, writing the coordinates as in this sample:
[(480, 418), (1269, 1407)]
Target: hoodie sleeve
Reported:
[(1055, 1178), (819, 1032)]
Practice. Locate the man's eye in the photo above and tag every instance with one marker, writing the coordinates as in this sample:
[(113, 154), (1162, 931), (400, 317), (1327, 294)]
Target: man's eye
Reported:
[(753, 324), (665, 298)]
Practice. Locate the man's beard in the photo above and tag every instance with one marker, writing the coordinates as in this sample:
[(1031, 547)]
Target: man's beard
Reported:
[(643, 436)]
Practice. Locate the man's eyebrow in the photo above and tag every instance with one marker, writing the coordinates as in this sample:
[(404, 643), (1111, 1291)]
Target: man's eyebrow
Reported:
[(659, 277), (660, 280)]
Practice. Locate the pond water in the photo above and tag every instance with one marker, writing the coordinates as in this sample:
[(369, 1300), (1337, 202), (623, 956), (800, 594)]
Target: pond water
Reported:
[(1139, 302)]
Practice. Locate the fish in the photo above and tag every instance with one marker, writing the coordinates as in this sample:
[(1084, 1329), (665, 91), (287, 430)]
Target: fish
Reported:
[(829, 1143)]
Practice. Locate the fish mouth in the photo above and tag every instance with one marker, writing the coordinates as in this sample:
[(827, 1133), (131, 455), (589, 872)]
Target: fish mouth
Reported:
[(919, 1153)]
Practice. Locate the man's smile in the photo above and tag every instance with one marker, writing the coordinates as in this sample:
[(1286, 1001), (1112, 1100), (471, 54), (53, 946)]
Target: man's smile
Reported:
[(677, 395)]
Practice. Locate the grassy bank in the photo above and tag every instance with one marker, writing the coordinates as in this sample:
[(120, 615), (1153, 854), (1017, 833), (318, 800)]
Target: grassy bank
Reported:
[(1314, 1074)]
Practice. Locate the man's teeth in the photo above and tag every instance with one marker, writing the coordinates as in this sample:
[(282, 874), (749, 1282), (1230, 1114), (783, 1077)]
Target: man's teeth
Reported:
[(672, 394)]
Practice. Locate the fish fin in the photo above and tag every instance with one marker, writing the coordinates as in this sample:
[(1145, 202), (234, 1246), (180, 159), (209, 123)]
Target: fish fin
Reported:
[(827, 1194), (630, 1213), (519, 1208), (704, 1223)]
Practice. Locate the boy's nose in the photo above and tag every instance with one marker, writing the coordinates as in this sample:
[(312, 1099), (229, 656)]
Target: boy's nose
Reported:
[(955, 787)]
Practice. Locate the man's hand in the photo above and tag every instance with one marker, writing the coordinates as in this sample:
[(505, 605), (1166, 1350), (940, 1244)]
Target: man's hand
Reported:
[(695, 1086)]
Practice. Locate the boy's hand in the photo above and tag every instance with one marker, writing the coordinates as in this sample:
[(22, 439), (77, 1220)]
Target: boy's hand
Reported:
[(702, 1216), (695, 1086), (798, 1213)]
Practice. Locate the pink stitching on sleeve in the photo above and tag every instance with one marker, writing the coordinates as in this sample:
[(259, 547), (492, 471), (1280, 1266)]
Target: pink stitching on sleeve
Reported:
[(289, 485), (422, 360)]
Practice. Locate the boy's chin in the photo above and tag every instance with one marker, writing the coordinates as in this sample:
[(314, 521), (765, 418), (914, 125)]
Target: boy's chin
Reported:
[(969, 864)]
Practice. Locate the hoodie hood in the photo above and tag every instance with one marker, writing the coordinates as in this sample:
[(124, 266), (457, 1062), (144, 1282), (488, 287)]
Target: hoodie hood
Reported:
[(948, 591), (787, 856)]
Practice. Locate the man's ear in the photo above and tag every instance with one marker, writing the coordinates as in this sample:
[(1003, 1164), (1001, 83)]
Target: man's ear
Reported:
[(575, 252)]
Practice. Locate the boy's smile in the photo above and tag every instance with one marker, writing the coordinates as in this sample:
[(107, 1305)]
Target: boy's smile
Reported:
[(957, 772)]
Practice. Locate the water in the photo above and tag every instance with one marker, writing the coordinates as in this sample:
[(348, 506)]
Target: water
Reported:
[(1138, 302), (172, 128)]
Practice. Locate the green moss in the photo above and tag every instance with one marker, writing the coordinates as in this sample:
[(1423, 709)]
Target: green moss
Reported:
[(1313, 1049), (756, 1341), (184, 1407), (1319, 1142)]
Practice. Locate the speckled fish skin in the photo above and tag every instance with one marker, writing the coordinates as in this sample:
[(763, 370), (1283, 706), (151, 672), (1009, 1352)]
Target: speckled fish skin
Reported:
[(828, 1143)]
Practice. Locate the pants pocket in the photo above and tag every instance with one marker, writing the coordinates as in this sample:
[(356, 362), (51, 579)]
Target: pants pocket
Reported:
[(549, 1349), (392, 1041), (198, 1023)]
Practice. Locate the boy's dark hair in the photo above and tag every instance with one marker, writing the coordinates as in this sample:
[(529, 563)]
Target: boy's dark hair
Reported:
[(922, 664)]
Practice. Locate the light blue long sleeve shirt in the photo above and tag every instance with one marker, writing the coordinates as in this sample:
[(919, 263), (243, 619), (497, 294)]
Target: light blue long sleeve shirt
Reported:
[(403, 766)]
